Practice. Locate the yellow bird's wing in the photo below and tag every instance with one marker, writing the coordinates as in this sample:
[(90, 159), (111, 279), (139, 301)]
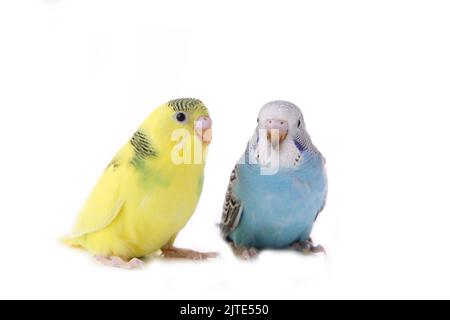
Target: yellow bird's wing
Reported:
[(105, 201)]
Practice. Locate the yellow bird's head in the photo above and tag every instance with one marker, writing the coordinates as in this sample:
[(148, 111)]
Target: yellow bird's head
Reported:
[(180, 125)]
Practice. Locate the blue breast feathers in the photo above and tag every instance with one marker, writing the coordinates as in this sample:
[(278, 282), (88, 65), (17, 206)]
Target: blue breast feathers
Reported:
[(279, 209)]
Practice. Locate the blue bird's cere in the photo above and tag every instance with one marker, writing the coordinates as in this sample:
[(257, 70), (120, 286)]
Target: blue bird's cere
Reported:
[(278, 188)]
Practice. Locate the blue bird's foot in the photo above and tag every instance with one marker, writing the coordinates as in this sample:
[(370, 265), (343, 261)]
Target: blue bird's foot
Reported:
[(245, 253), (308, 247)]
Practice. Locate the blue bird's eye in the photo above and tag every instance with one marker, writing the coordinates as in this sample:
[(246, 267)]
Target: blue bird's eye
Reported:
[(181, 117), (299, 123)]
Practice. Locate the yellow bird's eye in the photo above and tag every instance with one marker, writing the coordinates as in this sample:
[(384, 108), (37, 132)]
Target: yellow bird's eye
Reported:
[(181, 117)]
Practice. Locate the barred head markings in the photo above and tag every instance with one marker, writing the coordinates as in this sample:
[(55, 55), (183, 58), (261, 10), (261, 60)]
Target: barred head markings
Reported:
[(188, 105)]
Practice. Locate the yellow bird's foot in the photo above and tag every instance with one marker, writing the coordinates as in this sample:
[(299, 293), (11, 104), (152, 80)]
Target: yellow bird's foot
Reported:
[(172, 252), (117, 262), (245, 253), (308, 247)]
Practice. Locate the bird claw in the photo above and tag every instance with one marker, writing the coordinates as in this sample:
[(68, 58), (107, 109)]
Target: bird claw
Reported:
[(117, 262), (173, 252), (308, 247), (318, 249), (245, 253)]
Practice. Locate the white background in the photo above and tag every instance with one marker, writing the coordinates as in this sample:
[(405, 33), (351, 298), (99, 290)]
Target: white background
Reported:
[(372, 78)]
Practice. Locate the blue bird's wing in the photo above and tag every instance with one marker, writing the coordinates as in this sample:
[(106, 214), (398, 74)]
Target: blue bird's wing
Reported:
[(232, 207)]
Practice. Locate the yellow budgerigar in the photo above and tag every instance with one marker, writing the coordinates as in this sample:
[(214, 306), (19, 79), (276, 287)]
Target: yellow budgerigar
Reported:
[(149, 190)]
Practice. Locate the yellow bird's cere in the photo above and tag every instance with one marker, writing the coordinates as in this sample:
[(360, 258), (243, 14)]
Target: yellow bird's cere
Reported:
[(146, 194)]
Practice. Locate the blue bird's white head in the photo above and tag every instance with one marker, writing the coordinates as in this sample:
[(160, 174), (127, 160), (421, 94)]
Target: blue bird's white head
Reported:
[(281, 123)]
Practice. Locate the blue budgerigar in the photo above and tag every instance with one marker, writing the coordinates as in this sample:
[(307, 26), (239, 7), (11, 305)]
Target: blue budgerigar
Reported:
[(278, 188)]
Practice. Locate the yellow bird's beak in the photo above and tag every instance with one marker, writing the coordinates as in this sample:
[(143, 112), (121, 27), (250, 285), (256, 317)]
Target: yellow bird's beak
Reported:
[(203, 129)]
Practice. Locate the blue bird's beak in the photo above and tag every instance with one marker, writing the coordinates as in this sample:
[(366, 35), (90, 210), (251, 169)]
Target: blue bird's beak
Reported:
[(277, 131)]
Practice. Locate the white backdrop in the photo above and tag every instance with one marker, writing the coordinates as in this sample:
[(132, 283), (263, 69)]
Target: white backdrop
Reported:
[(372, 78)]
